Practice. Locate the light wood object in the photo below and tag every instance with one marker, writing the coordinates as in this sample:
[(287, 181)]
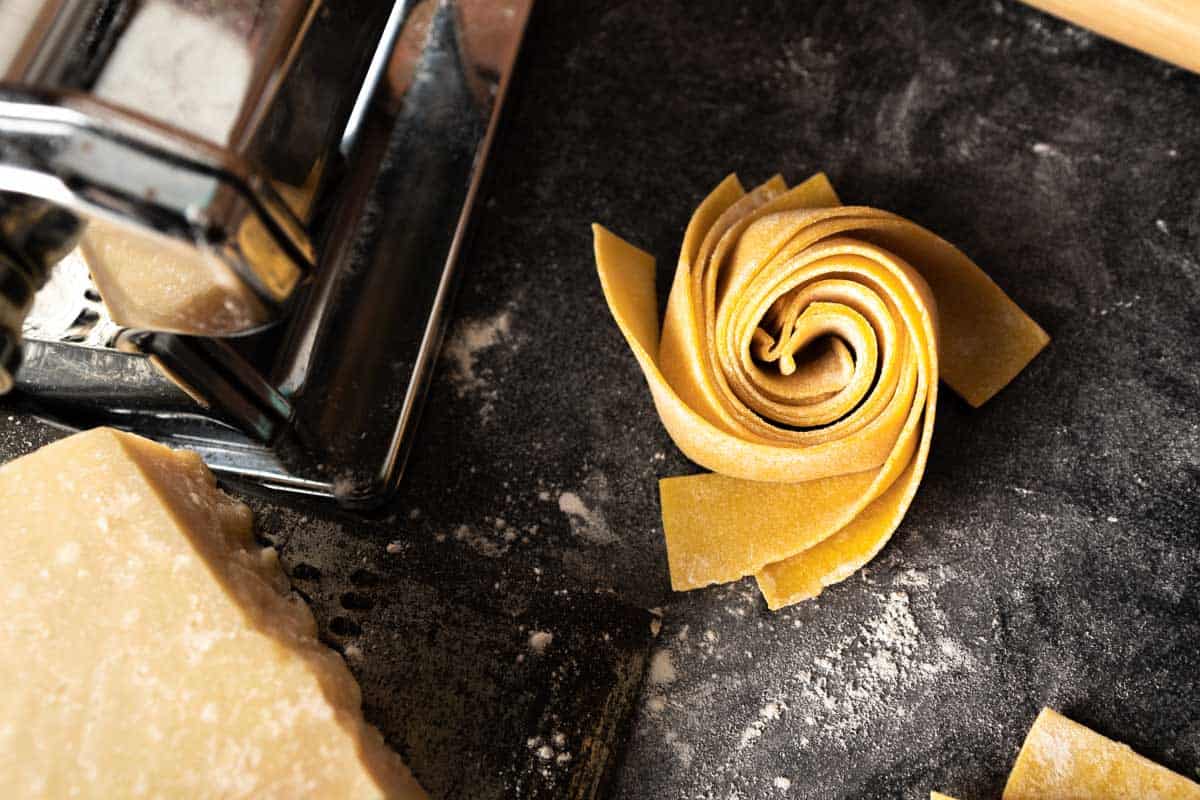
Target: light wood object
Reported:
[(1166, 29)]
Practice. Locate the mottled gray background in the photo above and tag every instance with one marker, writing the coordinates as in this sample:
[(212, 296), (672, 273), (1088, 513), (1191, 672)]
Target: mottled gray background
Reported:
[(1052, 556)]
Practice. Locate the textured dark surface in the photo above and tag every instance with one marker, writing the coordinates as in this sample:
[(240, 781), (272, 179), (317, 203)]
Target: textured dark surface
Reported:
[(1052, 556)]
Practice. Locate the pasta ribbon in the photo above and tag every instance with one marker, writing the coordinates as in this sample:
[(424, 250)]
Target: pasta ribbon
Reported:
[(799, 361)]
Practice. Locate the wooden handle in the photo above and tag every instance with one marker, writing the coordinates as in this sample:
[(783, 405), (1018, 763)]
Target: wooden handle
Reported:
[(1168, 29)]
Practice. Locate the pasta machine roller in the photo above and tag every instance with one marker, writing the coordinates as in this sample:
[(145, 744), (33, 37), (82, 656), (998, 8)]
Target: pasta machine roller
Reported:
[(232, 226)]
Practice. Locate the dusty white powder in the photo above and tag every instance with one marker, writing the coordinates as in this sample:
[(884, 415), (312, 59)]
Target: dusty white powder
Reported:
[(586, 523), (659, 676), (465, 348), (853, 680), (662, 669), (570, 503), (485, 542), (468, 341), (752, 732), (540, 640), (913, 579), (859, 676), (684, 751), (766, 715)]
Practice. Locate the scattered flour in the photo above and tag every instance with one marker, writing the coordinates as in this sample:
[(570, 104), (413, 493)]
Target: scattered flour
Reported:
[(865, 676), (662, 669), (913, 579), (554, 751), (766, 715), (470, 339), (485, 542), (683, 751), (585, 522), (855, 678), (540, 640)]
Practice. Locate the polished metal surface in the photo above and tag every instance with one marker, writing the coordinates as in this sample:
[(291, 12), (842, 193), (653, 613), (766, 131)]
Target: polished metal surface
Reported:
[(178, 237), (326, 402), (431, 122), (194, 139)]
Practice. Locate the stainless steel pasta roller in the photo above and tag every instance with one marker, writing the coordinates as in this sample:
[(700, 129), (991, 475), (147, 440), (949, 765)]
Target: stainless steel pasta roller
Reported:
[(233, 226)]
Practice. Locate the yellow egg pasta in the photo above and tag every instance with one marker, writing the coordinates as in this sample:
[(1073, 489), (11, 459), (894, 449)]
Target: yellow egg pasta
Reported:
[(1063, 760), (799, 361)]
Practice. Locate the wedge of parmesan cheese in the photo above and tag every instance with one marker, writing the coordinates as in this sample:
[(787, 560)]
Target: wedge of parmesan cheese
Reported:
[(149, 647)]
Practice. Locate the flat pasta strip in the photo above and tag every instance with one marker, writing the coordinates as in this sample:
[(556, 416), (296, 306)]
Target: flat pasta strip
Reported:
[(799, 360), (1063, 760)]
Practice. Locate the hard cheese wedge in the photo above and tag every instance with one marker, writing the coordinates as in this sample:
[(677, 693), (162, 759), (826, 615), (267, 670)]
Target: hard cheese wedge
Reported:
[(150, 648), (1063, 760), (799, 361)]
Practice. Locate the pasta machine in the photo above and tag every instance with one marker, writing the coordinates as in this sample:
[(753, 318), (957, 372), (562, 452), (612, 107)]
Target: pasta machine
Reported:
[(231, 225)]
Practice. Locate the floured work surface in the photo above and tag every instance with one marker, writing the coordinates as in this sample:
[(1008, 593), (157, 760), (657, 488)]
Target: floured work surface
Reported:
[(1051, 554), (998, 595), (495, 681), (149, 646)]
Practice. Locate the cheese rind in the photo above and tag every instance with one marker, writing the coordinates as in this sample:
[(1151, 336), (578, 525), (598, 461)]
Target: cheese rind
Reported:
[(149, 647), (1063, 760)]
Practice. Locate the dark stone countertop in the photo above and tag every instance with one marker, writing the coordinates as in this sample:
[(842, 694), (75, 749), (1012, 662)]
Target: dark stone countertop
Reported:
[(1052, 555)]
